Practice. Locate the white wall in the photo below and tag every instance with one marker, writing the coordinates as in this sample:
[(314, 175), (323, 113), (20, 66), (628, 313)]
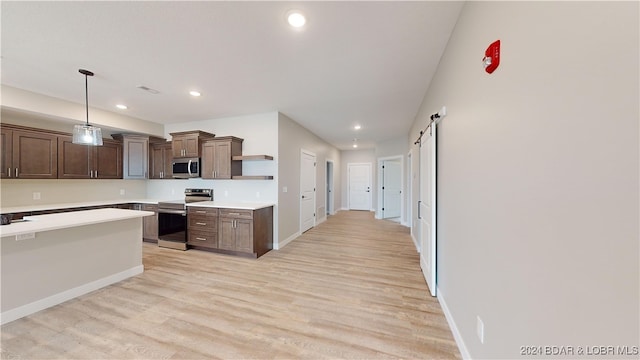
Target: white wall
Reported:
[(292, 138), (14, 99), (19, 192), (538, 176), (260, 134)]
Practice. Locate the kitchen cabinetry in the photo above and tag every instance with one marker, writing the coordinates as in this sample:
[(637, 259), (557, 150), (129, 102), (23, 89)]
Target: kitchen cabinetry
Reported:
[(217, 158), (135, 151), (246, 232), (6, 160), (160, 161), (202, 227), (29, 154), (188, 143), (150, 224), (89, 162)]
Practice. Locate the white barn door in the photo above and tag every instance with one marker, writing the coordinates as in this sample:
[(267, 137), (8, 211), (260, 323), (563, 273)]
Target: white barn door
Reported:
[(427, 208)]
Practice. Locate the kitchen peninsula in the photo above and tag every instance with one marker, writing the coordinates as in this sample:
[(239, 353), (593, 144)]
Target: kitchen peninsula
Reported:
[(49, 259)]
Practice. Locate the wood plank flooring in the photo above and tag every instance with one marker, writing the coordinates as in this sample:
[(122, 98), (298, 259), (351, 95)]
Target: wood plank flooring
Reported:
[(351, 288)]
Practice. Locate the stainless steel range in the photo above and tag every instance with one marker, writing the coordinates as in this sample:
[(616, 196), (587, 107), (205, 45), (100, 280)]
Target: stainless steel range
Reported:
[(172, 218)]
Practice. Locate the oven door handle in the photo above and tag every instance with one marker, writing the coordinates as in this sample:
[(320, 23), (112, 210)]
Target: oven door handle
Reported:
[(189, 168), (167, 211)]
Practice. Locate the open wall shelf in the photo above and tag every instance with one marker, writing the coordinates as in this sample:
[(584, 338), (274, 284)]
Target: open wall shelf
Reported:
[(252, 157), (253, 177)]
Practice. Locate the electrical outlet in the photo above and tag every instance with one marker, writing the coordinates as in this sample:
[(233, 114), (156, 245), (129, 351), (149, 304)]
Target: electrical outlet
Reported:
[(25, 236), (173, 191), (443, 112), (257, 194), (226, 193), (284, 189), (480, 330), (121, 191), (36, 196)]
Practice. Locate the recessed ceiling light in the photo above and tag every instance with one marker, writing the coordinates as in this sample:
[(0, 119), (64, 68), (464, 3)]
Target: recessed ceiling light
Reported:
[(296, 19), (122, 107), (355, 145), (357, 127), (194, 93)]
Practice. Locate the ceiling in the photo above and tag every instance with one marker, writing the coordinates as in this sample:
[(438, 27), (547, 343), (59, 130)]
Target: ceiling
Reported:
[(366, 63)]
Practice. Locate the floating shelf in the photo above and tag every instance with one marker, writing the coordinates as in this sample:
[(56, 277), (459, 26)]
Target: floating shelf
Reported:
[(252, 177), (252, 157)]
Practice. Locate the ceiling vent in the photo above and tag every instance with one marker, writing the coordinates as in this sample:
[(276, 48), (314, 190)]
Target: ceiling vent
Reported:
[(148, 89)]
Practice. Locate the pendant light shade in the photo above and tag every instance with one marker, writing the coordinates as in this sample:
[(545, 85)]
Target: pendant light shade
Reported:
[(87, 134)]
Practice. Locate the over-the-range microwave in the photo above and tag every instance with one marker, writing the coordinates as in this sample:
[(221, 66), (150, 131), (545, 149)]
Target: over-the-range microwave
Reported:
[(185, 168)]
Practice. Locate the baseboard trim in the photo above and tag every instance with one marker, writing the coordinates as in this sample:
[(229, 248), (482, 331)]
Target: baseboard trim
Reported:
[(452, 325), (321, 220), (415, 242), (39, 305), (286, 241)]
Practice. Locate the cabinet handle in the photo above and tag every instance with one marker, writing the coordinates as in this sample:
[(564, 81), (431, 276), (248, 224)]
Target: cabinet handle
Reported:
[(16, 172), (199, 223), (96, 174), (235, 214), (201, 239), (201, 212), (8, 172)]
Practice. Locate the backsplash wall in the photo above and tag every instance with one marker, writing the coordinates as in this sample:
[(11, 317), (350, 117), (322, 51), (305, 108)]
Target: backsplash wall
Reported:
[(19, 192)]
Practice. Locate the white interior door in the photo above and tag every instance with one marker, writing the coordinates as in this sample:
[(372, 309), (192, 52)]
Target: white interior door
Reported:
[(329, 188), (427, 208), (391, 189), (307, 190), (359, 186)]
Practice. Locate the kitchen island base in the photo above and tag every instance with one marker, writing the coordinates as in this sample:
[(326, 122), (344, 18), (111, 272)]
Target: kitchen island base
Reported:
[(61, 264)]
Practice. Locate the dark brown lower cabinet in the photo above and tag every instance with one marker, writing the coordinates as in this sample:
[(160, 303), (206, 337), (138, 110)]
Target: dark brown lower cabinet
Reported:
[(230, 231), (246, 232), (150, 224), (202, 227)]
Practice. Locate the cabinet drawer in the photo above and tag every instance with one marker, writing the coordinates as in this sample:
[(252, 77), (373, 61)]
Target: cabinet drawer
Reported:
[(202, 211), (202, 223), (236, 213), (200, 238)]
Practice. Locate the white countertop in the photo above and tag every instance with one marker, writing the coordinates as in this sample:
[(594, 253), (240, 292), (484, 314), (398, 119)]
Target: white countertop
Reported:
[(29, 208), (40, 223), (231, 205)]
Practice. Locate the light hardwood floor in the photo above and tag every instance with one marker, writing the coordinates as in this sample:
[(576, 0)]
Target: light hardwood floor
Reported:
[(351, 288)]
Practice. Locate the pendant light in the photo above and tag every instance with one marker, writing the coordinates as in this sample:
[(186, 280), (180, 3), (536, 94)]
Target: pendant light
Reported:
[(87, 134)]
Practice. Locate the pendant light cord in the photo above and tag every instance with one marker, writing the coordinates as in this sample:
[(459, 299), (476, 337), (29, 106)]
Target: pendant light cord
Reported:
[(86, 74), (86, 96)]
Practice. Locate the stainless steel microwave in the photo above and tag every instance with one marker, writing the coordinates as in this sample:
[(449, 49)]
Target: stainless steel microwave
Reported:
[(185, 168)]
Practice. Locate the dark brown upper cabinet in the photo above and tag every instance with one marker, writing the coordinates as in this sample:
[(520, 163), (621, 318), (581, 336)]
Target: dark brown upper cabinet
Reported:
[(188, 143)]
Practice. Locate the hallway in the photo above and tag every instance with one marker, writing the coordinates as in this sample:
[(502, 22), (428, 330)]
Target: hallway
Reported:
[(349, 288)]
